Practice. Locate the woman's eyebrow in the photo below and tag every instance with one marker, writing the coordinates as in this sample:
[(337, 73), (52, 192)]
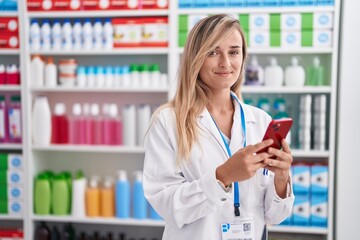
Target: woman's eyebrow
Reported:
[(235, 46)]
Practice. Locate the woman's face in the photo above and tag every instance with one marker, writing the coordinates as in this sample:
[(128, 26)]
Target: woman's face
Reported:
[(222, 66)]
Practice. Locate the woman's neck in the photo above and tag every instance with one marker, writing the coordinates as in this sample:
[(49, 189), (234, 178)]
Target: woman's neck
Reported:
[(220, 102)]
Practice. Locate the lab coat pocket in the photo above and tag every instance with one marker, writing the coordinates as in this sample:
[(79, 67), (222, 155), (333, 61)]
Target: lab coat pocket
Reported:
[(262, 177)]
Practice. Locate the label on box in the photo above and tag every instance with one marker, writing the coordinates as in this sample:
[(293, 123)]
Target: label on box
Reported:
[(259, 39), (322, 38), (259, 22), (290, 39), (323, 20), (290, 21)]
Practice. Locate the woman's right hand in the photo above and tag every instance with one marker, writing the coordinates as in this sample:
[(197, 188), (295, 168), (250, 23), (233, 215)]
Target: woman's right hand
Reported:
[(244, 163)]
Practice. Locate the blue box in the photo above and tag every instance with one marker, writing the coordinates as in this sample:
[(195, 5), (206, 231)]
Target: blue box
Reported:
[(185, 3), (254, 3), (236, 3), (301, 211), (287, 221), (301, 179), (325, 2), (218, 3), (319, 180), (202, 3), (289, 2), (307, 2), (271, 3), (10, 5), (319, 211)]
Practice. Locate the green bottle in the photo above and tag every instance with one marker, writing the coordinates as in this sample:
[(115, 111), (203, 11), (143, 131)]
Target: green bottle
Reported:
[(42, 194), (315, 74), (61, 195)]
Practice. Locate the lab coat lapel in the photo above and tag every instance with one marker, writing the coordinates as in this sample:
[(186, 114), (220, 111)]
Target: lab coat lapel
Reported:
[(207, 122)]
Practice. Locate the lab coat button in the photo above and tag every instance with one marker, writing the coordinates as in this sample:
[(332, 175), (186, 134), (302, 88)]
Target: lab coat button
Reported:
[(223, 199)]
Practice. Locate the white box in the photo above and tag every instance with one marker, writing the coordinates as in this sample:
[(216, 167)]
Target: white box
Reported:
[(319, 180), (14, 177), (15, 207), (301, 179), (15, 192), (322, 38), (319, 211), (301, 211), (290, 21), (15, 161), (259, 22), (323, 20), (193, 19), (259, 38), (291, 39)]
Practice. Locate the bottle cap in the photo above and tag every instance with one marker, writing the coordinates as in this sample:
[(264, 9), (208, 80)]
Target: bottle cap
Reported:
[(109, 70), (105, 109), (45, 21), (95, 109), (254, 61), (99, 70), (2, 68), (77, 109), (113, 110), (2, 98), (316, 61), (122, 175), (126, 69), (154, 68), (273, 61), (134, 68), (16, 98), (79, 175), (94, 181), (138, 176), (294, 61), (144, 68), (90, 70), (86, 109), (60, 109), (108, 182), (80, 70), (11, 68), (50, 60)]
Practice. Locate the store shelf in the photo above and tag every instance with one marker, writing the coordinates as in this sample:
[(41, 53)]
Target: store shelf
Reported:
[(9, 51), (115, 221), (5, 88), (100, 52), (310, 153), (6, 217), (9, 14), (9, 146), (100, 90), (87, 13), (89, 149), (282, 51), (299, 230), (242, 10), (286, 90)]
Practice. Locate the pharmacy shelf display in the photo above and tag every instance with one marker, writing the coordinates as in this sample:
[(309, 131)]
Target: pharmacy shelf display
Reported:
[(106, 160)]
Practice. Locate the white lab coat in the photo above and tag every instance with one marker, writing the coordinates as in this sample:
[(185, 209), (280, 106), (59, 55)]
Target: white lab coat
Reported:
[(188, 196)]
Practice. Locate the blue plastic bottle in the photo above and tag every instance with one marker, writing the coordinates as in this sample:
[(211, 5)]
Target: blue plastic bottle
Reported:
[(122, 196), (139, 201)]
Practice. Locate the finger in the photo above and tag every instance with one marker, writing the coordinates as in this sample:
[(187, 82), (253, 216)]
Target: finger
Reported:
[(261, 145), (280, 155), (261, 157), (259, 165), (272, 163), (285, 146)]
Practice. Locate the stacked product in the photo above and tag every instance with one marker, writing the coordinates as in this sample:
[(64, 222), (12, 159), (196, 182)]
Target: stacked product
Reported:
[(9, 74), (9, 33)]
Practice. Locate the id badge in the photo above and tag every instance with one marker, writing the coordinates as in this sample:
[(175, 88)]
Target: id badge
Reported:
[(240, 229)]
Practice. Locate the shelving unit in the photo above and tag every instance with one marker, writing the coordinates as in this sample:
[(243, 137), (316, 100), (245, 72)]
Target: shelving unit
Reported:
[(131, 158)]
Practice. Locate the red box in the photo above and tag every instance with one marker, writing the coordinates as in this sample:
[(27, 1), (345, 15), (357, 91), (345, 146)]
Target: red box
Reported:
[(40, 5), (127, 32), (96, 4), (154, 4), (9, 25), (155, 32), (13, 78), (125, 4), (9, 41), (66, 5)]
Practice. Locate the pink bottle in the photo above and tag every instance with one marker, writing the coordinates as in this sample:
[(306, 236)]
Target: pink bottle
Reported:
[(14, 120), (113, 127), (96, 125), (87, 123), (3, 121), (60, 125), (77, 126)]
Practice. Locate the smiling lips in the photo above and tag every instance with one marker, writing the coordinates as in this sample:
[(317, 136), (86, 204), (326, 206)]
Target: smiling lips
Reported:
[(223, 73)]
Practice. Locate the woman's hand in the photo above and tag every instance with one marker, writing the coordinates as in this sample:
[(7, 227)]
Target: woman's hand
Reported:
[(244, 163)]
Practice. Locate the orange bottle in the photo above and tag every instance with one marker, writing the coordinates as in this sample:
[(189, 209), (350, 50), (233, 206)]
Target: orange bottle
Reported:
[(107, 198), (92, 198)]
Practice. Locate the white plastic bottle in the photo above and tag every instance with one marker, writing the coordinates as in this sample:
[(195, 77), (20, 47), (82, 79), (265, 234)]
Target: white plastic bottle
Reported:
[(108, 34), (81, 80), (126, 77), (90, 76), (50, 73), (37, 71), (144, 116), (294, 74), (77, 35), (45, 35), (97, 34), (87, 32), (109, 77), (99, 77), (129, 125), (67, 34), (41, 121), (155, 75), (274, 74), (56, 35), (78, 195), (35, 35), (144, 76)]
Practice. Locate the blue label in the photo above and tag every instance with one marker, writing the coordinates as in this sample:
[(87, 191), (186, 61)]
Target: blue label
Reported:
[(259, 39), (15, 177), (290, 21), (15, 192), (16, 207), (324, 19), (323, 38), (259, 22), (290, 38), (16, 162)]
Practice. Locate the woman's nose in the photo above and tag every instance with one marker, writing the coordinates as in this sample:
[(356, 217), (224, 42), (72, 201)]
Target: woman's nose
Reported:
[(224, 61)]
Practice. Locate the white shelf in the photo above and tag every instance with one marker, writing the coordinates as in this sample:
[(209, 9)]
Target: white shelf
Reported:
[(284, 89), (9, 51), (10, 146), (299, 230), (89, 148), (244, 10), (115, 221), (114, 51), (281, 51), (4, 88), (9, 13), (101, 90), (10, 217), (88, 13), (310, 153)]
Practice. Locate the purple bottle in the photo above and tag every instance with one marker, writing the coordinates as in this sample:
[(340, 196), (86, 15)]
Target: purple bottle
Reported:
[(3, 121), (14, 120)]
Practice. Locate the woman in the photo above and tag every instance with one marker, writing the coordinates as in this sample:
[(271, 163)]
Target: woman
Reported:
[(201, 170)]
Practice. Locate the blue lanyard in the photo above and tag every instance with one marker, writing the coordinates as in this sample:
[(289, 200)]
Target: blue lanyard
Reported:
[(236, 184)]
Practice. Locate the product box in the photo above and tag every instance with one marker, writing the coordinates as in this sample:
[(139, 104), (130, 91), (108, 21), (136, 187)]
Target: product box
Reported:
[(253, 3), (185, 3), (301, 211), (9, 25), (15, 161), (323, 20), (237, 3), (291, 39), (322, 38), (155, 32), (218, 3), (271, 3), (15, 177), (325, 2), (319, 212), (154, 4), (9, 41), (306, 2), (3, 161), (15, 207), (66, 5), (290, 21), (15, 192), (124, 4), (202, 3), (3, 191), (301, 179), (3, 177), (3, 206), (9, 5), (259, 38), (289, 2), (39, 5), (319, 180), (127, 32), (97, 4), (259, 22)]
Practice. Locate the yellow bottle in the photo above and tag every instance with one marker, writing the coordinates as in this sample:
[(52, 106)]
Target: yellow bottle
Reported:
[(92, 198), (107, 198)]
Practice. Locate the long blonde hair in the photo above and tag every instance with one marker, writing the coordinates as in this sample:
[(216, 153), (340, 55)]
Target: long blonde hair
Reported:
[(192, 94)]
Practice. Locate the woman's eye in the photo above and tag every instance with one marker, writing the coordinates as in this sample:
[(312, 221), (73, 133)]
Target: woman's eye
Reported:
[(234, 52), (212, 53)]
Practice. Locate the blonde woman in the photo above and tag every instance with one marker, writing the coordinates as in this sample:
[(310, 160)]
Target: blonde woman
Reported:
[(201, 173)]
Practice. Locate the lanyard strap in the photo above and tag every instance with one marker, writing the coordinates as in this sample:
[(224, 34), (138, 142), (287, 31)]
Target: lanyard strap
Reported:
[(236, 184)]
